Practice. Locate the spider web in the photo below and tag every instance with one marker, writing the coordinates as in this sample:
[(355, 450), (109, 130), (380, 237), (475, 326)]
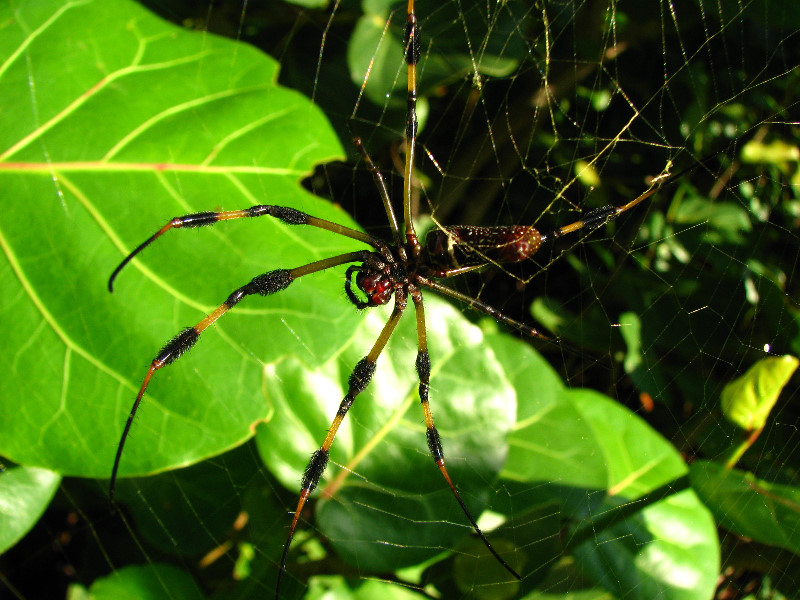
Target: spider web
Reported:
[(601, 466)]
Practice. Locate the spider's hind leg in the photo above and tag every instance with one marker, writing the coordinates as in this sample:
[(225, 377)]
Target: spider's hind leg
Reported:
[(423, 365)]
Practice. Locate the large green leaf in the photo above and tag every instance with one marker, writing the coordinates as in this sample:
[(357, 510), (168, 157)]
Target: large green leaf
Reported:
[(576, 454), (116, 121), (391, 506), (164, 122)]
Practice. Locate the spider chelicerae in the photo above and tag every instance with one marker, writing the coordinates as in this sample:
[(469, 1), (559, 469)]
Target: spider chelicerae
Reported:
[(399, 268)]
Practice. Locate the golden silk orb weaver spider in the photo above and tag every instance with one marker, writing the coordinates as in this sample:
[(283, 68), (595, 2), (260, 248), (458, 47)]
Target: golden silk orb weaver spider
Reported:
[(398, 269)]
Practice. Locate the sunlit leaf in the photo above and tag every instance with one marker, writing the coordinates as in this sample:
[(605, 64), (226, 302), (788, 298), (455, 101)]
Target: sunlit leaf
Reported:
[(389, 506), (748, 400), (25, 493), (152, 122)]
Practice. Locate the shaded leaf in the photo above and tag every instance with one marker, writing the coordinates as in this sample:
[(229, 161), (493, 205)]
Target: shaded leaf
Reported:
[(591, 460), (748, 506), (165, 507), (381, 30)]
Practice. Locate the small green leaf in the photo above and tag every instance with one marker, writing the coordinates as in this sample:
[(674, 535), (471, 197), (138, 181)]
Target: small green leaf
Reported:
[(777, 152), (381, 32), (631, 330), (76, 591), (332, 587), (382, 62), (310, 3), (242, 569), (727, 223), (748, 506), (748, 400), (586, 173)]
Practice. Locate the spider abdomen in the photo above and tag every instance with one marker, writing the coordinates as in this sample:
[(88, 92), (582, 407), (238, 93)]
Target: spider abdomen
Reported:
[(468, 246)]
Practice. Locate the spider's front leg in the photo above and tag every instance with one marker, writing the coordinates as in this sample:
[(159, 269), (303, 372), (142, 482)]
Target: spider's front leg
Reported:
[(289, 216), (264, 285), (357, 383)]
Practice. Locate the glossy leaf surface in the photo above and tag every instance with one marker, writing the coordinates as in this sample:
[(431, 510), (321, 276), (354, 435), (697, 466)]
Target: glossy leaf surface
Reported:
[(152, 122), (604, 468), (25, 493)]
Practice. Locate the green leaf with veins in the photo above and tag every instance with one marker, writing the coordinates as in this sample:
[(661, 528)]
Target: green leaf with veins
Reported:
[(119, 121), (748, 400), (191, 122), (599, 470)]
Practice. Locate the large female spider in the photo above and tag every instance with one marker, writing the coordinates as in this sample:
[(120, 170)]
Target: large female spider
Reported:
[(399, 269)]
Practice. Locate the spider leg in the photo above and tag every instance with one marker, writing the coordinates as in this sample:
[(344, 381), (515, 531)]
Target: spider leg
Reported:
[(380, 182), (434, 441), (290, 216), (485, 308), (357, 383), (265, 284), (412, 55), (600, 216)]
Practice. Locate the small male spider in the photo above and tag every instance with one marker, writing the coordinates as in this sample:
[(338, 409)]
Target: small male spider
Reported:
[(399, 268)]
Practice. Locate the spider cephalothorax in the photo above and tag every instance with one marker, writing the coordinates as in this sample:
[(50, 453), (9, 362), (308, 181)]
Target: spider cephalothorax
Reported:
[(378, 277)]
